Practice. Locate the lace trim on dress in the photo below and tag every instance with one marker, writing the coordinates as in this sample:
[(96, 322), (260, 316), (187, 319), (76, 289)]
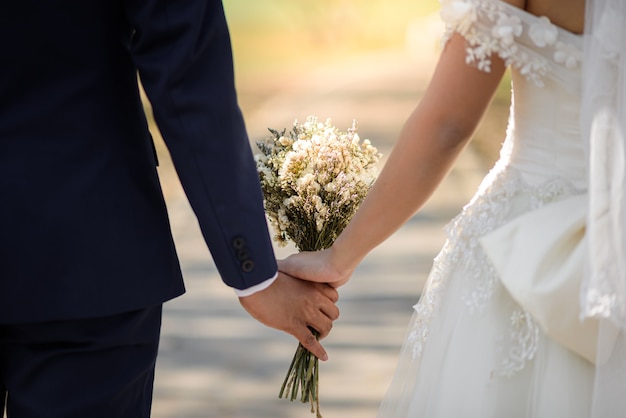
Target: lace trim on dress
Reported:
[(489, 209), (522, 342), (530, 44)]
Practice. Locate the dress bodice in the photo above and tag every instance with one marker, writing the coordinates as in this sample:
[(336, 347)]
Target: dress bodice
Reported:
[(544, 137)]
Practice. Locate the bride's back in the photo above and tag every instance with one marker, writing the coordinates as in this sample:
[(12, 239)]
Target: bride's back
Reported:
[(568, 14), (544, 139)]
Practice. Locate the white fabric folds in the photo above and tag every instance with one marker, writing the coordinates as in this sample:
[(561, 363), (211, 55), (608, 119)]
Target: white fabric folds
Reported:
[(540, 259)]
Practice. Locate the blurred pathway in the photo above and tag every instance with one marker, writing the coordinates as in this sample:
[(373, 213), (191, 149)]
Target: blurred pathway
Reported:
[(215, 361)]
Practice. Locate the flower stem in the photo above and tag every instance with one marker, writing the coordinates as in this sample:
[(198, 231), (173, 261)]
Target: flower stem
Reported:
[(303, 378)]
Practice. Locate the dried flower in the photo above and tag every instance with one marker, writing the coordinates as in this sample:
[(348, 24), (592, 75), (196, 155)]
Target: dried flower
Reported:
[(313, 179)]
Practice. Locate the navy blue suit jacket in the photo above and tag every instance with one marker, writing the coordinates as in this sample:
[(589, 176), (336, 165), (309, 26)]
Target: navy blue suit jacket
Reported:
[(83, 224)]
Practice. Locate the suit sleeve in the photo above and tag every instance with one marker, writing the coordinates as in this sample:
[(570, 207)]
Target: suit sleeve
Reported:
[(183, 53)]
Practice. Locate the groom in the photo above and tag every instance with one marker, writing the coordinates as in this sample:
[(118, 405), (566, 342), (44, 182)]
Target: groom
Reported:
[(87, 256)]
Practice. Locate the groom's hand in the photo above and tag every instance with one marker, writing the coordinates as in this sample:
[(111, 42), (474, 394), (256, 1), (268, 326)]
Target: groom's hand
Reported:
[(292, 305)]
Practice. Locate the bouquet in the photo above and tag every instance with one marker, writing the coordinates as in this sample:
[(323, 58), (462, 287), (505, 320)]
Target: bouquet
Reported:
[(313, 179)]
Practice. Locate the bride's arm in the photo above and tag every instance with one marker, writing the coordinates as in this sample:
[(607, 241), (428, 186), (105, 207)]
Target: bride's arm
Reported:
[(431, 139)]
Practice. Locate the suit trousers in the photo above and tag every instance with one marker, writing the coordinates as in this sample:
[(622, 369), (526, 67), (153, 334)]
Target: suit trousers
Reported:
[(96, 368)]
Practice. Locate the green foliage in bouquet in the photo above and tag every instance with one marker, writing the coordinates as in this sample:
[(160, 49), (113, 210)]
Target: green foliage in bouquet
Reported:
[(313, 178)]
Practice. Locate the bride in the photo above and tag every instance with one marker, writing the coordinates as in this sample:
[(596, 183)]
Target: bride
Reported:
[(523, 312)]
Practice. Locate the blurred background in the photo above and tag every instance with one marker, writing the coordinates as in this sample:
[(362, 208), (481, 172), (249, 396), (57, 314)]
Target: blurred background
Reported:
[(368, 60)]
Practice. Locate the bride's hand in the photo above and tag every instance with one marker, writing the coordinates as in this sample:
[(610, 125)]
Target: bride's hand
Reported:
[(315, 267)]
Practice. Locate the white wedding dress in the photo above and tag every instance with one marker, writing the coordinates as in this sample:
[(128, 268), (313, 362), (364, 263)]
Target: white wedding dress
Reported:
[(472, 350)]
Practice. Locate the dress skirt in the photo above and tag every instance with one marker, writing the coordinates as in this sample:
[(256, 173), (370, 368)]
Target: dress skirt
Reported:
[(471, 350)]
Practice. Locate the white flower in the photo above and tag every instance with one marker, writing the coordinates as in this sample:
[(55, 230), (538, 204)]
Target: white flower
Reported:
[(331, 187), (567, 55), (301, 145), (308, 184), (285, 141), (543, 32), (282, 218), (507, 29), (320, 221), (458, 14)]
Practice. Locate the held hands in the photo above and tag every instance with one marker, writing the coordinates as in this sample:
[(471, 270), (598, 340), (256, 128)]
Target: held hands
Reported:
[(314, 266), (292, 305), (302, 296)]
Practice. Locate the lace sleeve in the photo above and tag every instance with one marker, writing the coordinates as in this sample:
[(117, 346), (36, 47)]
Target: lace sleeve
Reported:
[(531, 44)]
